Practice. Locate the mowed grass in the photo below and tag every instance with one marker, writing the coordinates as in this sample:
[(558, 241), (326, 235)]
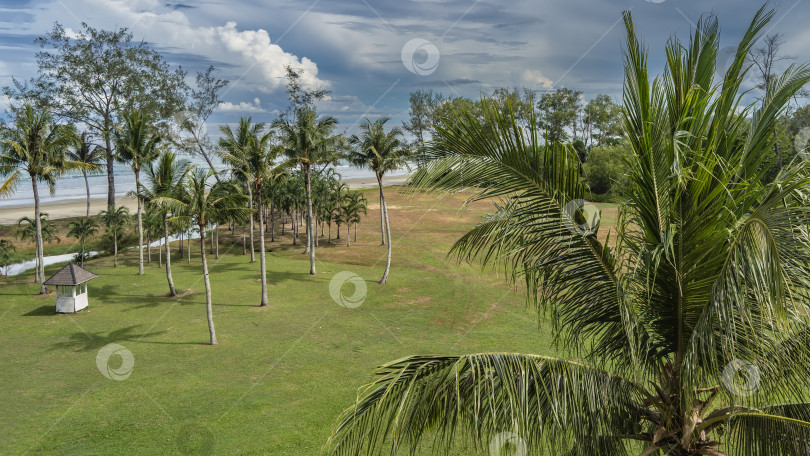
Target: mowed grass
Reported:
[(281, 375)]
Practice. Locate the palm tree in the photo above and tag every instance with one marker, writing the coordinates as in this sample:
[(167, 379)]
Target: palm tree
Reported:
[(256, 161), (704, 286), (85, 152), (82, 229), (36, 146), (201, 203), (164, 178), (138, 144), (354, 204), (308, 141), (380, 152), (236, 144), (115, 219)]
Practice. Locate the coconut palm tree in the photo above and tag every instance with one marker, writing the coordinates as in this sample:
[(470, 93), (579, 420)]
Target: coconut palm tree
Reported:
[(82, 229), (382, 153), (163, 179), (354, 204), (83, 151), (256, 160), (200, 202), (138, 144), (690, 329), (308, 141), (115, 219), (235, 144), (36, 146)]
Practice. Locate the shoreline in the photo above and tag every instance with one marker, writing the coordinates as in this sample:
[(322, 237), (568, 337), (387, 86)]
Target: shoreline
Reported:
[(78, 207)]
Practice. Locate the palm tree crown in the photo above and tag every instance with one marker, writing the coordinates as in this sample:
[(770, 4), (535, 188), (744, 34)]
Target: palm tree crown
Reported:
[(705, 282)]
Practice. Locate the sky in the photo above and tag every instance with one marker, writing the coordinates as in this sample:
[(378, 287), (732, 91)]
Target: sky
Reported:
[(371, 54)]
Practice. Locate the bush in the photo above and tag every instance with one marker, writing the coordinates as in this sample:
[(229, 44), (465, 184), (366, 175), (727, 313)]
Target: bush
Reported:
[(606, 169)]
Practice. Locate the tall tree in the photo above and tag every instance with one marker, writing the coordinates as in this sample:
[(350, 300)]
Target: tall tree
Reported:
[(257, 162), (85, 152), (234, 148), (307, 141), (201, 102), (708, 269), (36, 146), (558, 111), (381, 152), (138, 144), (91, 76), (420, 114), (163, 180), (200, 202), (602, 122)]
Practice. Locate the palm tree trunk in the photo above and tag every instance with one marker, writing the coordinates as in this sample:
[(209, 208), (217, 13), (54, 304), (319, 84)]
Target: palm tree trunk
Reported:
[(355, 231), (348, 235), (250, 202), (188, 236), (172, 290), (208, 307), (294, 229), (140, 221), (217, 243), (40, 249), (272, 223), (382, 214), (87, 189), (81, 258), (115, 248), (160, 256), (310, 228), (330, 232), (262, 267), (244, 247), (387, 232)]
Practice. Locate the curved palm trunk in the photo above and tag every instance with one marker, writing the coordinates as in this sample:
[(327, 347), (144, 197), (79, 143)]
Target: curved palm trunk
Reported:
[(87, 190), (262, 267), (310, 228), (252, 248), (40, 249), (382, 213), (209, 311), (172, 290), (387, 232), (140, 220)]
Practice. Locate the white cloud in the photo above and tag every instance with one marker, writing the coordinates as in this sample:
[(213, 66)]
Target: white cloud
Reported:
[(536, 78), (256, 59), (242, 106)]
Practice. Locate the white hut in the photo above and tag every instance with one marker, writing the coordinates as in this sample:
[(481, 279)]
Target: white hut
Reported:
[(71, 288)]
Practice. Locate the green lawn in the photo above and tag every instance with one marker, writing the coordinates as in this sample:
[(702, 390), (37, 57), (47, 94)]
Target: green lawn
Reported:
[(279, 377)]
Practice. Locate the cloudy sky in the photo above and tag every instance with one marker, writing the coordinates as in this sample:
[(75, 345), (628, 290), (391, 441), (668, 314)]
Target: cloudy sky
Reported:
[(372, 53)]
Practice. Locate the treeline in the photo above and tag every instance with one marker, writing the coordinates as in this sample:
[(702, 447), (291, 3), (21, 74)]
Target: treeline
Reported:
[(593, 128)]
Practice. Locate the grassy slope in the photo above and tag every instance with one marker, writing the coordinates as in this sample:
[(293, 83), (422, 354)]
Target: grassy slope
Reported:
[(280, 376)]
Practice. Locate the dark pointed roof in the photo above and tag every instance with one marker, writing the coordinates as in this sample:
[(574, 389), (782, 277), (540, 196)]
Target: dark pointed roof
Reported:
[(70, 275)]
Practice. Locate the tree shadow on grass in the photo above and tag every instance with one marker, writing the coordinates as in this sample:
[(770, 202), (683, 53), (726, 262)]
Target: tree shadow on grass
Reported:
[(42, 311), (84, 341)]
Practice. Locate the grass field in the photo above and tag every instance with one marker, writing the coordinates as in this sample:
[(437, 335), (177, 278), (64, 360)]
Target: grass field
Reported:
[(281, 375)]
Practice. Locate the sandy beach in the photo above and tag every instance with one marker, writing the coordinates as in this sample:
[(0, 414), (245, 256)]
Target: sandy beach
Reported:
[(78, 208)]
